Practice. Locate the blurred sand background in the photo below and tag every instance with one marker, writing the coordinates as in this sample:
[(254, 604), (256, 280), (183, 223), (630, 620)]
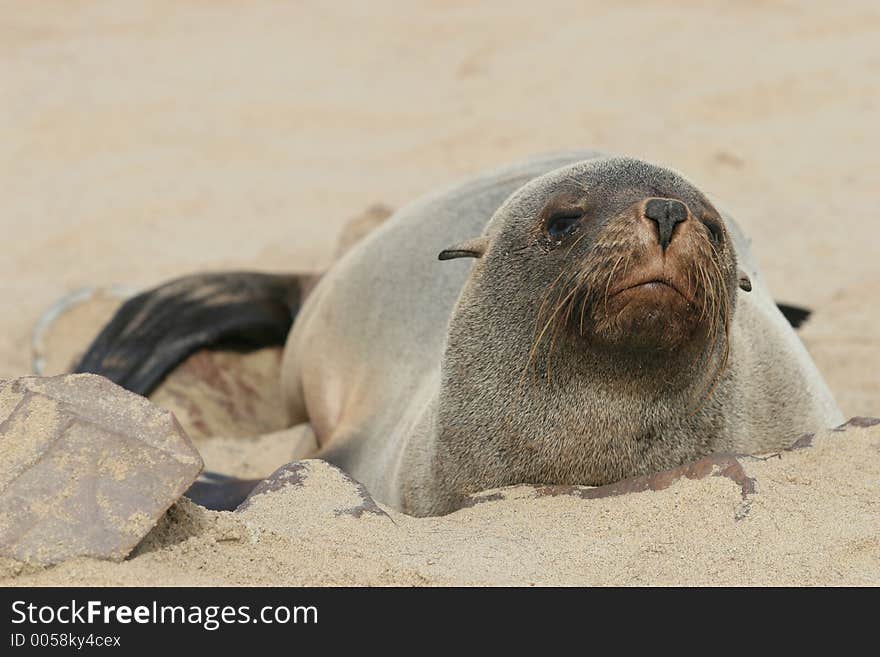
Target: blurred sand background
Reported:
[(142, 140), (145, 140)]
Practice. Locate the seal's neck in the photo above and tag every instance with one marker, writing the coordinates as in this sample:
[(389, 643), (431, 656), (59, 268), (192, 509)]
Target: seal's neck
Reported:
[(573, 415)]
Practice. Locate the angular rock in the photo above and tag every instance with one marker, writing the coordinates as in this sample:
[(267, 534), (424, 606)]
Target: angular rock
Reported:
[(86, 468)]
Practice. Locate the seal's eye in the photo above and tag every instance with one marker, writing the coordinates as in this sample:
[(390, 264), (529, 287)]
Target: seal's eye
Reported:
[(563, 223)]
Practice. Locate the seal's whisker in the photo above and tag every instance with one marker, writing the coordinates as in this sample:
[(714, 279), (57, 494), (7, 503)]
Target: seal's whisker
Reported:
[(531, 365), (623, 275), (708, 311), (531, 360), (569, 308), (704, 301), (546, 298), (549, 322), (610, 278), (543, 310), (540, 318), (584, 303), (719, 316), (575, 243), (725, 307), (556, 326), (626, 265)]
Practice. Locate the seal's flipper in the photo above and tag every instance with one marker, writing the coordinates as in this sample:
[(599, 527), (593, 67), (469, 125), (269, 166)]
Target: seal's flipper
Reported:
[(219, 492), (154, 331), (794, 314)]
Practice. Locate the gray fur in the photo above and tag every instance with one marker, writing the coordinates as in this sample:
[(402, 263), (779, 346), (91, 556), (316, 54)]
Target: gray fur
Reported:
[(413, 371)]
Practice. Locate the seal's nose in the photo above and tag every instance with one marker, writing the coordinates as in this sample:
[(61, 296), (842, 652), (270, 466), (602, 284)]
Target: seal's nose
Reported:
[(666, 212)]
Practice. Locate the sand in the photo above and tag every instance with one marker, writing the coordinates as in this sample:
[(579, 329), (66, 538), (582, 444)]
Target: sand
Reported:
[(143, 141), (812, 520)]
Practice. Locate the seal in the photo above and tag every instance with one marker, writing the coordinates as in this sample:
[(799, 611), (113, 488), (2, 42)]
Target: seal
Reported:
[(589, 319)]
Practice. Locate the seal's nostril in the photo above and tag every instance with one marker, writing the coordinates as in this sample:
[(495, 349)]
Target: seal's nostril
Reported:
[(677, 211), (655, 209), (667, 213)]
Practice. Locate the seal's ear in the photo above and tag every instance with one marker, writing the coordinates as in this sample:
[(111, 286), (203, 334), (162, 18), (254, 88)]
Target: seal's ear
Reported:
[(745, 283), (473, 248)]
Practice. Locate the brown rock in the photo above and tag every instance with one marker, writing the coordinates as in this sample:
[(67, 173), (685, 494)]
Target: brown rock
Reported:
[(86, 468)]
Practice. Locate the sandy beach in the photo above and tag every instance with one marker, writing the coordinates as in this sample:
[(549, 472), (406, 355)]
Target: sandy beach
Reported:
[(146, 140)]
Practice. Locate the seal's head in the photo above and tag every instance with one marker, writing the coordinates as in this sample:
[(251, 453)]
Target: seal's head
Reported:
[(616, 254), (612, 282)]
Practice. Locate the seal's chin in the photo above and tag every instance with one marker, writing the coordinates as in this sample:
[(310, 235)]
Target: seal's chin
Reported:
[(647, 312)]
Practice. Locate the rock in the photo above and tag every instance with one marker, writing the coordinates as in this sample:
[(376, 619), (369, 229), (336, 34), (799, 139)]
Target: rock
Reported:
[(86, 468)]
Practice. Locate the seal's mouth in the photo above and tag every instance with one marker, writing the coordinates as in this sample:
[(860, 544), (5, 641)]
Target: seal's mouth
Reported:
[(660, 303), (653, 286)]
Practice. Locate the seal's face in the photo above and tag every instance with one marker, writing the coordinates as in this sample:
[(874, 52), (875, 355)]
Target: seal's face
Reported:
[(639, 268), (632, 256), (627, 257)]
